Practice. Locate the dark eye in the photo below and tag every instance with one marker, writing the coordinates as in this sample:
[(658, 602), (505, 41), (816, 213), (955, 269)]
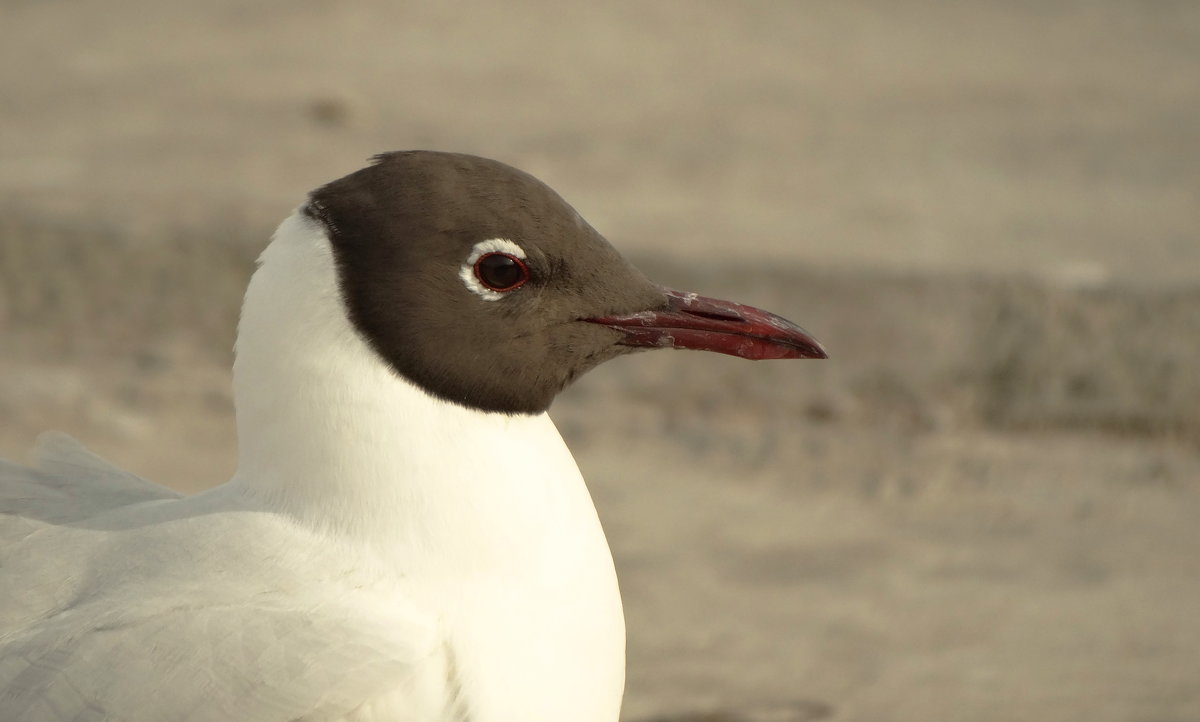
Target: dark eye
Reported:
[(501, 272)]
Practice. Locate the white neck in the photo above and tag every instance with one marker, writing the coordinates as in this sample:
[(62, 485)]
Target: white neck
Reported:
[(330, 435), (449, 498)]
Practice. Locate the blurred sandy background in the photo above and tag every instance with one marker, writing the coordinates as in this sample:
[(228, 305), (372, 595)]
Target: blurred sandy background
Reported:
[(983, 507)]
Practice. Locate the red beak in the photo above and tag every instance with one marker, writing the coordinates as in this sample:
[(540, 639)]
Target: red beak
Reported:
[(708, 324)]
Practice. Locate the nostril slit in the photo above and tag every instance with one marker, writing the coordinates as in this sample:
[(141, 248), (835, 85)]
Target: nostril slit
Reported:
[(715, 316)]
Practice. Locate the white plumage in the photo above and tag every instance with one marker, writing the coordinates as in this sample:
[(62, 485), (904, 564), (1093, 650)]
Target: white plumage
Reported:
[(362, 564)]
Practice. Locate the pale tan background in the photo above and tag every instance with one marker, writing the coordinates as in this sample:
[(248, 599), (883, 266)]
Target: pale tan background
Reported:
[(983, 507)]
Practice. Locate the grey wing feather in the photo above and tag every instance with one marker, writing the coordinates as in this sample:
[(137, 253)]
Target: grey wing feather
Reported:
[(76, 469), (249, 663), (83, 645), (66, 483)]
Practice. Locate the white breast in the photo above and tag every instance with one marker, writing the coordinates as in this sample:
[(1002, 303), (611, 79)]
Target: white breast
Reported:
[(484, 516)]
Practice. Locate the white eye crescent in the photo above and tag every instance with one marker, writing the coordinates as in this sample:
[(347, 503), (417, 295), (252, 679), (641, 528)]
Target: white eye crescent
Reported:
[(494, 267)]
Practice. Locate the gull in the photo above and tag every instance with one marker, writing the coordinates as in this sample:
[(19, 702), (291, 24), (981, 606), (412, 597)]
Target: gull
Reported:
[(406, 537)]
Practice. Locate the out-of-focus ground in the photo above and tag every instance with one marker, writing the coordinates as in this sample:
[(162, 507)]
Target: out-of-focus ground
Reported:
[(983, 507)]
